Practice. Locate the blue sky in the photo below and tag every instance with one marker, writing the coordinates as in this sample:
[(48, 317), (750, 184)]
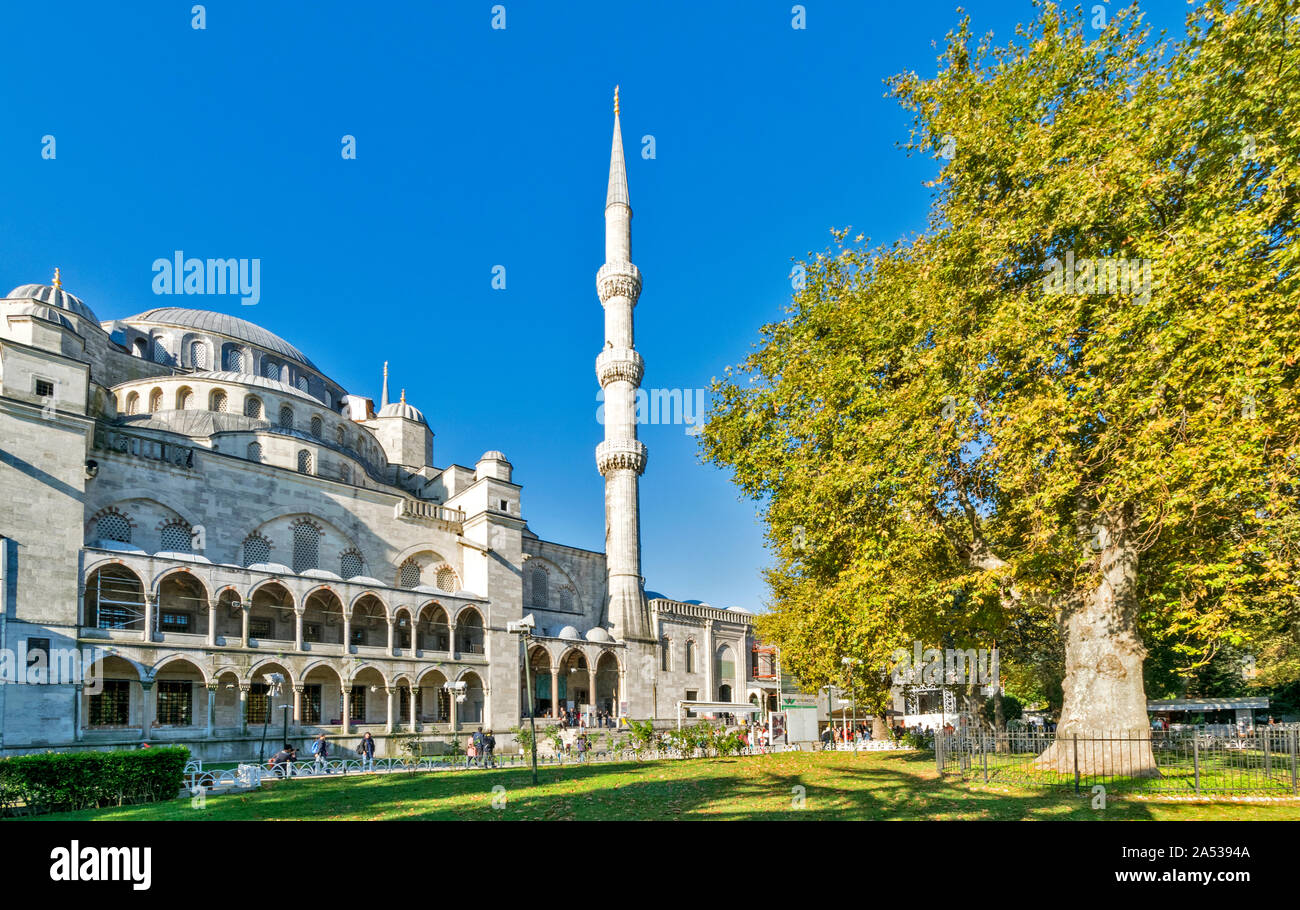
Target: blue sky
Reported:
[(479, 147)]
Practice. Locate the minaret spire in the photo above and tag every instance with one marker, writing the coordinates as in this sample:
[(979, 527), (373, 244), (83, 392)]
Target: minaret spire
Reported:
[(383, 400), (621, 458)]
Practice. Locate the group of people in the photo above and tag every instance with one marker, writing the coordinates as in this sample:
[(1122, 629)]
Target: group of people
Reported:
[(480, 749), (570, 718), (282, 762)]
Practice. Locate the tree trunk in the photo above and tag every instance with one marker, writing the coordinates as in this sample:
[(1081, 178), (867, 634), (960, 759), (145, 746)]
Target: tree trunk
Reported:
[(880, 727), (1105, 700)]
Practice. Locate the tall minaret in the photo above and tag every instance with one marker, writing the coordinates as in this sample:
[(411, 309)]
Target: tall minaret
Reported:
[(621, 458)]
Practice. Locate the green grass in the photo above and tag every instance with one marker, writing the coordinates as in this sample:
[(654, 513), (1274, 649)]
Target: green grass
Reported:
[(837, 785)]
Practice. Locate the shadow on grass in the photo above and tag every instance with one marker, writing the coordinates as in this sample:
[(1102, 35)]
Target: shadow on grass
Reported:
[(788, 786)]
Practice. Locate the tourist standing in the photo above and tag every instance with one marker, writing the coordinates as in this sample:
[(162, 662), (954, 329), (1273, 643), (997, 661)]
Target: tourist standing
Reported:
[(489, 748)]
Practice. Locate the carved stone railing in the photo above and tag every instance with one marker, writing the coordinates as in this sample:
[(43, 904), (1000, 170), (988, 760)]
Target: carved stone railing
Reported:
[(109, 440), (429, 511)]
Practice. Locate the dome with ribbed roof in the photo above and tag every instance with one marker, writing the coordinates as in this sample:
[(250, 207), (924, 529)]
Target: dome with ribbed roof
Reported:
[(402, 409), (55, 297), (494, 455), (220, 324), (40, 311)]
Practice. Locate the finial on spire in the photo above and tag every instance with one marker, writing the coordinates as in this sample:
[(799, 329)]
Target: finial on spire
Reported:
[(403, 396), (616, 101), (383, 400), (58, 282)]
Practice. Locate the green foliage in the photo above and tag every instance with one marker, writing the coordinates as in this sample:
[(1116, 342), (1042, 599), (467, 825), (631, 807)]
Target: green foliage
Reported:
[(923, 741), (555, 736), (938, 438), (523, 736), (1012, 709), (55, 781), (642, 735)]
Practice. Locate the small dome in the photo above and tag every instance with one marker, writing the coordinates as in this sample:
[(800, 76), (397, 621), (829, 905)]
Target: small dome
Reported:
[(568, 632), (737, 609), (494, 455), (655, 595), (55, 297), (402, 409), (598, 634), (320, 573)]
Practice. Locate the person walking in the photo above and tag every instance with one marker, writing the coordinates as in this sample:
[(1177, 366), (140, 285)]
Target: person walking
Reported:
[(321, 749), (489, 747), (474, 748), (366, 749)]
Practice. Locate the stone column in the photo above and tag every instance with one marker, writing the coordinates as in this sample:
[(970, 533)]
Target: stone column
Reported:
[(212, 707), (391, 633), (243, 703), (78, 712), (246, 610), (212, 624), (622, 689), (391, 692), (555, 691), (146, 709), (414, 690), (297, 705), (591, 677), (451, 706), (710, 684), (150, 611), (347, 706), (297, 630), (347, 631)]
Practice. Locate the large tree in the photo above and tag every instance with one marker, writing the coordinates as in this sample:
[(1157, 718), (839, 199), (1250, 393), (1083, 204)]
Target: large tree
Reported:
[(1073, 396)]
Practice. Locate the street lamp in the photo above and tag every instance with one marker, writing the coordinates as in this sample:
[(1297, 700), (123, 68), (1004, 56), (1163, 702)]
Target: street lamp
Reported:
[(850, 663), (830, 711), (274, 684), (524, 628)]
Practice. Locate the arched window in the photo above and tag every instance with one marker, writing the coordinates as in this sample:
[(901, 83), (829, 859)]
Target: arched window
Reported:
[(256, 549), (351, 563), (234, 360), (345, 473), (198, 355), (446, 579), (160, 354), (339, 434), (270, 369), (113, 526), (254, 451), (566, 599), (690, 655), (177, 537), (155, 400), (306, 546), (286, 417), (133, 403), (540, 594), (252, 406), (304, 461), (140, 348), (185, 399), (666, 654), (217, 401), (302, 384), (315, 426), (408, 576), (726, 664)]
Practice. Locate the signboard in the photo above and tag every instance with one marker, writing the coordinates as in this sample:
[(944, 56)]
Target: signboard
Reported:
[(800, 718), (776, 726), (622, 709)]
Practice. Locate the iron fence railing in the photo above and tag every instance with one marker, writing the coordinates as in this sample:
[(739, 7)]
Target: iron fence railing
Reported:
[(1263, 762)]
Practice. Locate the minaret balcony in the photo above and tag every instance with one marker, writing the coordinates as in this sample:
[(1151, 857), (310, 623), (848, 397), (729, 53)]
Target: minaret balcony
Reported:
[(618, 279), (621, 454), (619, 364)]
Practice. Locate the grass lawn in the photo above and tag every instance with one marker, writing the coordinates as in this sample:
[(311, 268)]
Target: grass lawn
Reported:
[(837, 786)]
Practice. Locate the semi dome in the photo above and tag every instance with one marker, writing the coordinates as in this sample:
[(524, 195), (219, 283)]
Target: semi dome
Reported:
[(599, 634), (221, 324), (55, 297), (40, 311), (568, 632)]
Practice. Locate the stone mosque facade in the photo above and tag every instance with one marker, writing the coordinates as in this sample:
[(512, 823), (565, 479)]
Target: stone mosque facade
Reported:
[(236, 542)]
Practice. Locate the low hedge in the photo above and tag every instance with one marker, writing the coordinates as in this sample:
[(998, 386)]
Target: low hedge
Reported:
[(58, 781)]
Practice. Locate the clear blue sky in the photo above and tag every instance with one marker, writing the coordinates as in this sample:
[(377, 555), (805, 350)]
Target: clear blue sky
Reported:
[(479, 147)]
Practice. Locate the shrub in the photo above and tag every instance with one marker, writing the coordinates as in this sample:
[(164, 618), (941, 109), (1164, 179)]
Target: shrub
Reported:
[(923, 741), (55, 781)]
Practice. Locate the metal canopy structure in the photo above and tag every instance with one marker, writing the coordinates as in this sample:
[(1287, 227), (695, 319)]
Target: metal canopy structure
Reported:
[(714, 707)]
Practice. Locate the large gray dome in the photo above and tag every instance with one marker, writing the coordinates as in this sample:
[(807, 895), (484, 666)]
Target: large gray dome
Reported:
[(55, 297), (221, 324)]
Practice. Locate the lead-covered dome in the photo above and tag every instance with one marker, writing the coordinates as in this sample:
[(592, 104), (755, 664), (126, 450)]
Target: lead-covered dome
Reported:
[(55, 297), (221, 324), (402, 409)]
